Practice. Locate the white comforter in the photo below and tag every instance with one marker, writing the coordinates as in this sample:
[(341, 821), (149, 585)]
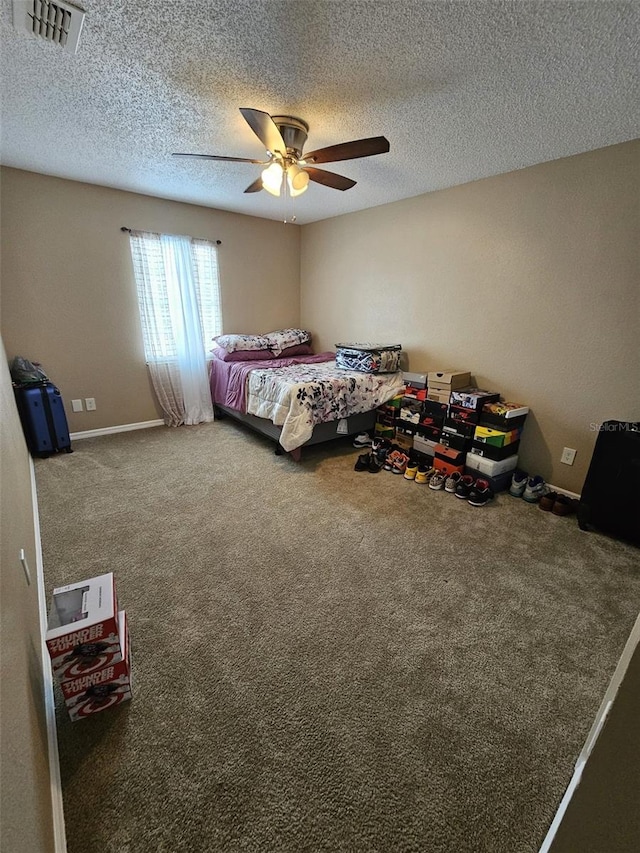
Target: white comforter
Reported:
[(301, 396)]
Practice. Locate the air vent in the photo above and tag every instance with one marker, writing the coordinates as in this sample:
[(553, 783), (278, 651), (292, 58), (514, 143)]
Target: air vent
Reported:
[(60, 23)]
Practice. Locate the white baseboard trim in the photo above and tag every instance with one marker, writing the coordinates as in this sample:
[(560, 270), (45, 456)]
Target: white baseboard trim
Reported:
[(57, 809), (566, 492), (94, 433), (592, 737)]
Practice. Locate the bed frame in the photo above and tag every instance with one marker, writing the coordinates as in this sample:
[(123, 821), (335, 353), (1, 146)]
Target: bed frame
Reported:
[(328, 431)]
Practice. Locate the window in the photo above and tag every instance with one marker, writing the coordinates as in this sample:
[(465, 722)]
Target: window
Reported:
[(178, 291), (179, 300)]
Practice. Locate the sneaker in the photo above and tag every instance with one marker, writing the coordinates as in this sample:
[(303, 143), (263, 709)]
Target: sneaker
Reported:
[(463, 489), (547, 501), (379, 444), (380, 448), (400, 464), (363, 462), (564, 505), (390, 458), (437, 481), (534, 489), (518, 483), (411, 470), (423, 474), (452, 481), (480, 494), (362, 440), (374, 464)]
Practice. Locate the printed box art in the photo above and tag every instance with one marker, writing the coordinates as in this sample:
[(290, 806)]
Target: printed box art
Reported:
[(100, 689), (82, 634)]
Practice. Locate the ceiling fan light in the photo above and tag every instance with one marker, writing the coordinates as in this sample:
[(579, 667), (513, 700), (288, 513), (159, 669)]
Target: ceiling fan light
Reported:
[(272, 178), (297, 179)]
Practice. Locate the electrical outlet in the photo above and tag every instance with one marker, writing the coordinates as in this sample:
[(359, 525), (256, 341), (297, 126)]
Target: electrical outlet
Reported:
[(90, 403), (568, 455), (76, 406)]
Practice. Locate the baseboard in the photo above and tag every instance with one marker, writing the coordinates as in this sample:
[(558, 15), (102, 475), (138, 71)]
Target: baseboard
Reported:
[(592, 737), (57, 810), (94, 433), (561, 491)]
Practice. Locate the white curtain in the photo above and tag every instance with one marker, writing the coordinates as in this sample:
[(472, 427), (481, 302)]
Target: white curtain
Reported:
[(168, 279)]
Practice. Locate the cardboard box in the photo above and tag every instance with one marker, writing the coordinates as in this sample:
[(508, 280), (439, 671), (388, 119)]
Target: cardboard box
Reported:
[(448, 459), (411, 410), (413, 393), (504, 416), (96, 691), (394, 402), (424, 445), (448, 379), (83, 624), (460, 413), (435, 408), (430, 432), (433, 421), (488, 435), (495, 453), (462, 427), (404, 440), (437, 395), (498, 483), (473, 398), (415, 380), (447, 468), (455, 440), (506, 410), (496, 422), (492, 467), (387, 411), (382, 431)]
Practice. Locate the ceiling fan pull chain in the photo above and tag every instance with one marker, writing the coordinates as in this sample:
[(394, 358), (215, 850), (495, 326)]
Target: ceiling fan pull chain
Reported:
[(291, 200)]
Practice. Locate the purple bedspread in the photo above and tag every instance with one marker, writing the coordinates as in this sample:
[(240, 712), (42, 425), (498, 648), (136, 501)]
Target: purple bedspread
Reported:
[(228, 379)]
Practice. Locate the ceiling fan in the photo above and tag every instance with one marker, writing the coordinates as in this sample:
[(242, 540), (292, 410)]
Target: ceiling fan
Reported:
[(286, 166)]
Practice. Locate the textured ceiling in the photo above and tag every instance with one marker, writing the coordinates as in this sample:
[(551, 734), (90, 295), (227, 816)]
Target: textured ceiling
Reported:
[(462, 90)]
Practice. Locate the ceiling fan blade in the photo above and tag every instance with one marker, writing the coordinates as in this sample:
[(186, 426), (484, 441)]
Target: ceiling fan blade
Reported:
[(265, 129), (255, 187), (218, 157), (329, 179), (349, 150)]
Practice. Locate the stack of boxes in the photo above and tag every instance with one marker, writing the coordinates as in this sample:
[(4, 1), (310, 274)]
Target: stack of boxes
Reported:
[(459, 427), (454, 427), (88, 642), (452, 442), (496, 441), (386, 418)]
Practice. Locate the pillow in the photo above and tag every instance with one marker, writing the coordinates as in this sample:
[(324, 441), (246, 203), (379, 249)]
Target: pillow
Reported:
[(242, 354), (298, 349), (233, 343), (284, 338)]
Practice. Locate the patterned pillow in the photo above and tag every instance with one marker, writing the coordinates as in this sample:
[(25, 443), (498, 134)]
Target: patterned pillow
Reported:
[(233, 343), (242, 354), (284, 338)]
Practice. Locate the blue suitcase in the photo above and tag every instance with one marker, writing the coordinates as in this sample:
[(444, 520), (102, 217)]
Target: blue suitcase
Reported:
[(43, 419)]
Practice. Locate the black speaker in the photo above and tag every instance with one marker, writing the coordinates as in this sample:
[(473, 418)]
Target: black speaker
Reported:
[(610, 499)]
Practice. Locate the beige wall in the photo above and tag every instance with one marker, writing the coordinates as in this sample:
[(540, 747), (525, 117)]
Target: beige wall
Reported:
[(531, 280), (68, 293), (603, 813), (26, 822)]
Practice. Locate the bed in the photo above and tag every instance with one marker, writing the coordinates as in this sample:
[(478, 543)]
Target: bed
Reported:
[(300, 400)]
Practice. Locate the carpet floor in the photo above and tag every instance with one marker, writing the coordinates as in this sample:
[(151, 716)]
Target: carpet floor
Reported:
[(325, 660)]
